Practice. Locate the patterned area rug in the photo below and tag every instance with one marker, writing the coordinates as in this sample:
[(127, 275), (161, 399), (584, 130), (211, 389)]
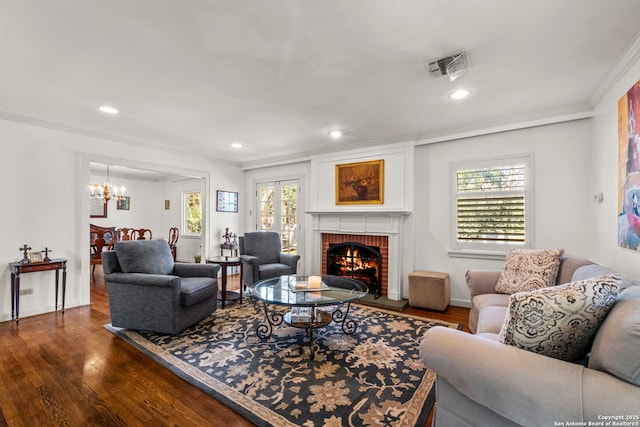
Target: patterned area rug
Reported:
[(371, 378)]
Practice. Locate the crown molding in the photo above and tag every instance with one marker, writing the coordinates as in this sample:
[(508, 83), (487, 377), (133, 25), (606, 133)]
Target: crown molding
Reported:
[(627, 59), (566, 114), (60, 127)]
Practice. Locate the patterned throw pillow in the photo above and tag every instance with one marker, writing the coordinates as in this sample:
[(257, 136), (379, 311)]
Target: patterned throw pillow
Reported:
[(526, 270), (561, 321)]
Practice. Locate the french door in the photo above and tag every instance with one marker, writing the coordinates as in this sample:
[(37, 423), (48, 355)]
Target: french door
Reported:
[(277, 210)]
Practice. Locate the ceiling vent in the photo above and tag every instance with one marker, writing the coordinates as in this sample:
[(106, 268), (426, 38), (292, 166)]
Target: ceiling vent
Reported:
[(453, 65)]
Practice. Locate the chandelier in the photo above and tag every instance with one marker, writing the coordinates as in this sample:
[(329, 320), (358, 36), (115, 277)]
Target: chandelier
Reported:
[(106, 191)]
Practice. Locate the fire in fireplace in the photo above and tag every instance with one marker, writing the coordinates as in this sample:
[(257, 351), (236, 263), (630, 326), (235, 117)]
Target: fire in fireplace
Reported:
[(358, 261)]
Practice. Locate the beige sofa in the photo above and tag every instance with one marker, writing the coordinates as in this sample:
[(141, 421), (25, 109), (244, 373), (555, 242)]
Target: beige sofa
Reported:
[(482, 382)]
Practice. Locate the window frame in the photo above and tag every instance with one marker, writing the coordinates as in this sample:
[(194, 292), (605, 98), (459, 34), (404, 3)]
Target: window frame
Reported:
[(492, 250), (185, 231)]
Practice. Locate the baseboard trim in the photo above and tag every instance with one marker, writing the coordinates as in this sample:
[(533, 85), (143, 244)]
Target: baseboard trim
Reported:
[(460, 303)]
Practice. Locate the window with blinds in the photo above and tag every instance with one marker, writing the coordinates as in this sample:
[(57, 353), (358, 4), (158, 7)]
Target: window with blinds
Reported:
[(491, 204)]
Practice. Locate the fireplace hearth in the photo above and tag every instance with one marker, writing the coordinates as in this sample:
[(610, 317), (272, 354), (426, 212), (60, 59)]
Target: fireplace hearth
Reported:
[(358, 261)]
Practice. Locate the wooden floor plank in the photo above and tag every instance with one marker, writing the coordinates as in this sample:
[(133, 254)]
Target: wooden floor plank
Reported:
[(68, 370)]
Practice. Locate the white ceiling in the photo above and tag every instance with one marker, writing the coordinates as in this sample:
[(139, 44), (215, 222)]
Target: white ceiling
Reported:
[(276, 76)]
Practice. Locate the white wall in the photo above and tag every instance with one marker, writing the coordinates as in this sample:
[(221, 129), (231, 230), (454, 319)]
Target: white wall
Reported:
[(564, 205), (145, 200), (563, 199), (604, 170), (318, 189), (398, 179), (226, 178), (44, 175)]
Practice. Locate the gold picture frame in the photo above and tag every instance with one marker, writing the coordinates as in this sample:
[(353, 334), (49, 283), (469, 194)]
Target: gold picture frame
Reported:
[(35, 257), (360, 183)]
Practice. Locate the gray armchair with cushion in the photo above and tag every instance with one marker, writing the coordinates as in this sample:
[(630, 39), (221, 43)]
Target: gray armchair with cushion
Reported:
[(262, 257), (148, 291)]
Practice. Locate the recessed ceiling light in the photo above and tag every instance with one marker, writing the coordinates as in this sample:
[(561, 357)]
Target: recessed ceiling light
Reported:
[(236, 145), (107, 109), (335, 134), (459, 94)]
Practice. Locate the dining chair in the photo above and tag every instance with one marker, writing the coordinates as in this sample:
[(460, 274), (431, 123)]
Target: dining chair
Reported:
[(174, 234), (141, 234), (124, 234), (101, 240)]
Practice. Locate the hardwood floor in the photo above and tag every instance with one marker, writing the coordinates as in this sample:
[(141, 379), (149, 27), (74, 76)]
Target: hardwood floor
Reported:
[(68, 370)]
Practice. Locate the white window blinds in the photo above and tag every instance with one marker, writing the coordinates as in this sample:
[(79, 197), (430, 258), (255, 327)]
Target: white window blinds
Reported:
[(491, 204)]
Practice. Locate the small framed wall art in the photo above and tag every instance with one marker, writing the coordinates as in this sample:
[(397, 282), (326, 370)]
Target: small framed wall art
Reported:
[(227, 201), (123, 203)]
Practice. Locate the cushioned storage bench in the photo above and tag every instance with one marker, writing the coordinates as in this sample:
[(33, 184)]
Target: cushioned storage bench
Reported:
[(429, 289)]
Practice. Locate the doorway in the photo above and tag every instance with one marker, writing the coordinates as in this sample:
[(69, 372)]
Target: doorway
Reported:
[(156, 183)]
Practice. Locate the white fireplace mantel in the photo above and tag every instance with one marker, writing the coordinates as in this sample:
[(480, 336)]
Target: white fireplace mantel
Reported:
[(366, 223)]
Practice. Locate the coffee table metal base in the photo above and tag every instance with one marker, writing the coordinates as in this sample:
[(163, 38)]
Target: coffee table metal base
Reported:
[(275, 318)]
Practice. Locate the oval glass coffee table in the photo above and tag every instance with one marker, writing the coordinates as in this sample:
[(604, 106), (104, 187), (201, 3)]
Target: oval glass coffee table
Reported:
[(306, 303)]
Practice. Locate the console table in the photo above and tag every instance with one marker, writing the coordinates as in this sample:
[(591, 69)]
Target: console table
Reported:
[(18, 268)]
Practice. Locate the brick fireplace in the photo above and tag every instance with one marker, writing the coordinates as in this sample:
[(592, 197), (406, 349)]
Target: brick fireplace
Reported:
[(373, 272), (380, 231)]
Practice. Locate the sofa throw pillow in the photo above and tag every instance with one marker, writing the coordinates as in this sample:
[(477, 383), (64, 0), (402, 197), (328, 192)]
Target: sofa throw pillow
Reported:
[(526, 270), (560, 321), (616, 347)]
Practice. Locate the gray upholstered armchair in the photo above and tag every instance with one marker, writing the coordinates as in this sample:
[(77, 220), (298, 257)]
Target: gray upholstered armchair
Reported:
[(147, 291), (262, 257)]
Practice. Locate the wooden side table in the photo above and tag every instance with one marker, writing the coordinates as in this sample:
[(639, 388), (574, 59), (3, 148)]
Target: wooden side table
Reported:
[(18, 268), (226, 262)]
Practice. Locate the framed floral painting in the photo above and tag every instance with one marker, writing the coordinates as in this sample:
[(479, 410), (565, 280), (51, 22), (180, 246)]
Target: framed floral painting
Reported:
[(360, 183)]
